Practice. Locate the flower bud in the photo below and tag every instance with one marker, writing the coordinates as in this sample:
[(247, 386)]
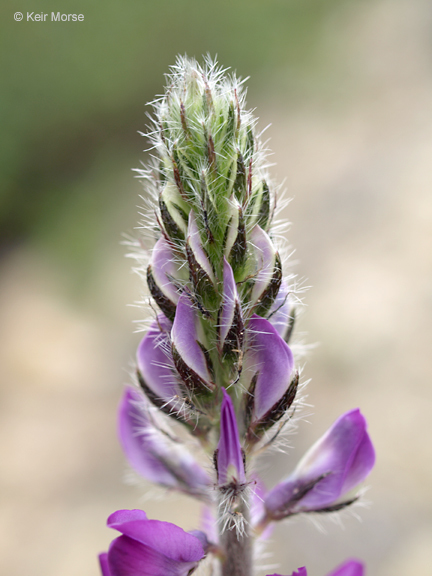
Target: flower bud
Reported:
[(268, 366), (200, 270), (153, 454), (258, 210), (238, 252), (156, 371), (230, 322), (174, 212), (335, 465), (162, 274), (229, 455), (189, 353), (281, 312), (268, 267)]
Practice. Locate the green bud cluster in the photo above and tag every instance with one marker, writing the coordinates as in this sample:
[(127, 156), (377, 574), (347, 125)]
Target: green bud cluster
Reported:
[(209, 161)]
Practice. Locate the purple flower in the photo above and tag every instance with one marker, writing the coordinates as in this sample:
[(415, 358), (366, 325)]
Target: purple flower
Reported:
[(269, 366), (348, 568), (334, 466), (155, 364), (164, 268), (153, 454), (230, 466), (188, 354), (150, 547)]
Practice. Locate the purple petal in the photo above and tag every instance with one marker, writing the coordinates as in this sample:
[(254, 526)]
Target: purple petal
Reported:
[(272, 358), (202, 537), (230, 300), (279, 313), (103, 563), (185, 338), (164, 537), (230, 455), (362, 464), (195, 243), (152, 454), (349, 568), (265, 257), (342, 458), (155, 362), (164, 268), (121, 517), (128, 557)]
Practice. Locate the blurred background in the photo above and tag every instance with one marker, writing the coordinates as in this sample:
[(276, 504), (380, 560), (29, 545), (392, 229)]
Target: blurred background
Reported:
[(347, 88)]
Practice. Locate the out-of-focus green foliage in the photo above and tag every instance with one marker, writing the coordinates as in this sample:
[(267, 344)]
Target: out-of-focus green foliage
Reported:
[(70, 90)]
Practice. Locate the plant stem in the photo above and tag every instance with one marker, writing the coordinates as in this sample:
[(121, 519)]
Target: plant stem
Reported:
[(237, 549)]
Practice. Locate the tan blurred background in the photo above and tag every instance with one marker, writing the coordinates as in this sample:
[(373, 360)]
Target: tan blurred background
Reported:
[(347, 86)]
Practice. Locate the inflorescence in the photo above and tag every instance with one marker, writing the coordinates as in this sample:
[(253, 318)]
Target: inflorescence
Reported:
[(215, 365)]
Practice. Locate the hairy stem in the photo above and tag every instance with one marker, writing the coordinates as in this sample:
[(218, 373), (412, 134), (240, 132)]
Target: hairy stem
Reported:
[(237, 548)]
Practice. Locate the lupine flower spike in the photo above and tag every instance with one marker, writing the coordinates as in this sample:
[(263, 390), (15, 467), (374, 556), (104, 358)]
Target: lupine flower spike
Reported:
[(216, 380)]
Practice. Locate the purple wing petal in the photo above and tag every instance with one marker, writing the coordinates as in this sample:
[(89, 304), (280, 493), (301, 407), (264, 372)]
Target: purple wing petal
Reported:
[(202, 537), (121, 517), (164, 268), (164, 537), (327, 467), (152, 454), (155, 362), (230, 455), (103, 563), (185, 338), (140, 441), (334, 454), (272, 358), (230, 298), (362, 464), (127, 557), (265, 256), (349, 568)]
